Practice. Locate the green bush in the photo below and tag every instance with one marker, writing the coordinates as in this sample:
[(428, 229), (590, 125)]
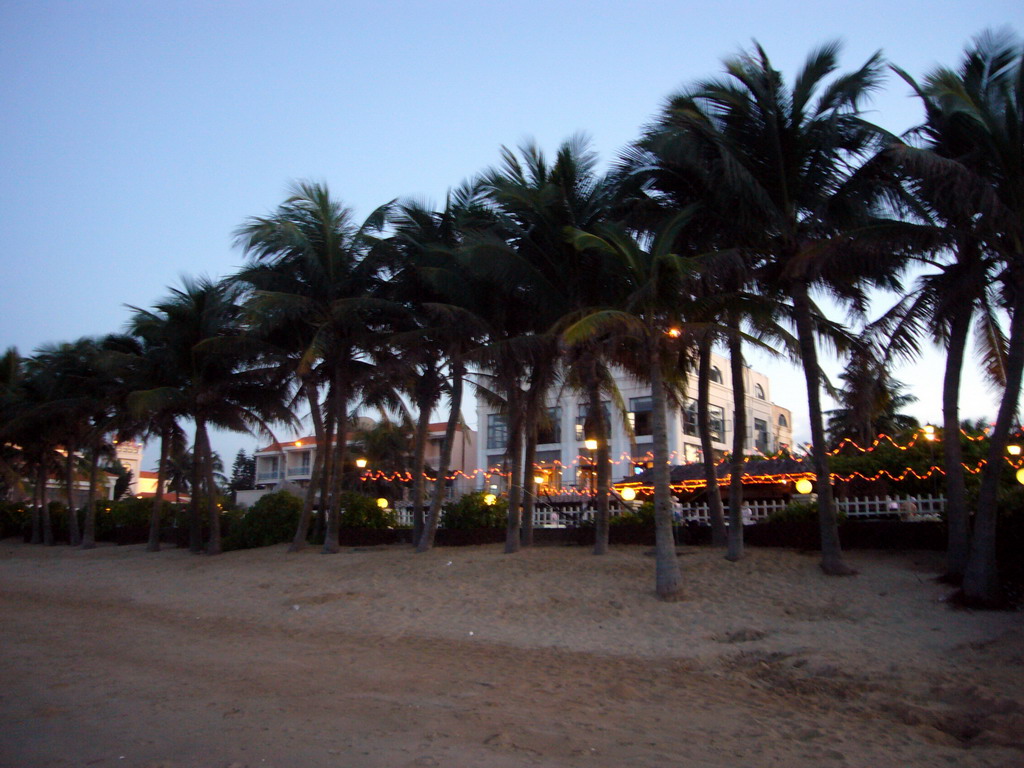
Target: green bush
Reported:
[(800, 512), (272, 520), (15, 518), (127, 520), (643, 515), (361, 511), (471, 511)]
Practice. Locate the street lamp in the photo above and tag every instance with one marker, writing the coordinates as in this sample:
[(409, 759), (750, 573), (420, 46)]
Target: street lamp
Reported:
[(804, 486), (361, 463), (1013, 450), (929, 431)]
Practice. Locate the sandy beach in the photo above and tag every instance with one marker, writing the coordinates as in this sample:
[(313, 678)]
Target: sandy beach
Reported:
[(468, 657)]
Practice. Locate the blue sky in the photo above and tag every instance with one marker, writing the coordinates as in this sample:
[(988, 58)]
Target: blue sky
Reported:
[(136, 136)]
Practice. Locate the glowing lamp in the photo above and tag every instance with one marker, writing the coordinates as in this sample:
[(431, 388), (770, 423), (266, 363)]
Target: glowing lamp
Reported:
[(382, 503), (804, 486), (929, 431), (1013, 450), (675, 333), (489, 499), (590, 445), (628, 494), (361, 463), (538, 479), (298, 443), (1020, 476)]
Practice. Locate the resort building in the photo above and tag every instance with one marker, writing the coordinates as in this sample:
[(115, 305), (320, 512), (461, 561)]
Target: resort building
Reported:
[(563, 462), (289, 465)]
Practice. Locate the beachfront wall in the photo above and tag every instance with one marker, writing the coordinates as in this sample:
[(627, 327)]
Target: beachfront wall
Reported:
[(563, 462)]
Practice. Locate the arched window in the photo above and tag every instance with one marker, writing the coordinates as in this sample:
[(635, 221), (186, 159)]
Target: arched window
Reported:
[(716, 375), (759, 392), (782, 420)]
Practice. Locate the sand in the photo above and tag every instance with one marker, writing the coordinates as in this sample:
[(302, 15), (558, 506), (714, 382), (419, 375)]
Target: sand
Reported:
[(468, 657)]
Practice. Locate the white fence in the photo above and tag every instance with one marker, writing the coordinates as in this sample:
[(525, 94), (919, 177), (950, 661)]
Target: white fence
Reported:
[(565, 514), (864, 508)]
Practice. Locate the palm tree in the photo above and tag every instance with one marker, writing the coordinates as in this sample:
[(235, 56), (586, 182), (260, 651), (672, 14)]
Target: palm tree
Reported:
[(422, 247), (221, 384), (984, 106), (312, 278), (870, 400), (646, 324), (536, 202), (784, 162)]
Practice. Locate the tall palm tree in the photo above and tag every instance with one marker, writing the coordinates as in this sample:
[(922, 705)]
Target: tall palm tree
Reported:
[(536, 202), (221, 385), (983, 103), (310, 272), (784, 161), (645, 323)]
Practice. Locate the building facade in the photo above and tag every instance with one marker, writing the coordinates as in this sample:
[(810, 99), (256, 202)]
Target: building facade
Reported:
[(289, 465), (563, 462)]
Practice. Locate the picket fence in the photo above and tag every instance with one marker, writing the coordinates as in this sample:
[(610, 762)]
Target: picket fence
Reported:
[(567, 514)]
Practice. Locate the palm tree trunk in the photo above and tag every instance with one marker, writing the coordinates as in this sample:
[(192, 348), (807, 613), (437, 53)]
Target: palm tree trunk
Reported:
[(213, 546), (419, 479), (831, 551), (332, 534), (719, 534), (958, 529), (326, 472), (74, 536), (153, 545), (667, 577), (302, 530), (739, 434), (514, 462), (45, 507), (433, 517), (89, 534), (981, 578), (38, 499), (195, 524), (529, 486), (603, 465)]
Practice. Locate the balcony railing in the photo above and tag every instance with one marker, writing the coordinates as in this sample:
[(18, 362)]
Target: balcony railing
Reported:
[(268, 477), (298, 471)]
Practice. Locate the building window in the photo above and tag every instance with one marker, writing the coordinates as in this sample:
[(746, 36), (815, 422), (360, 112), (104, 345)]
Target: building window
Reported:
[(716, 421), (550, 430), (640, 410), (716, 425), (716, 375), (497, 431), (761, 435), (582, 431), (690, 418), (782, 420), (759, 392)]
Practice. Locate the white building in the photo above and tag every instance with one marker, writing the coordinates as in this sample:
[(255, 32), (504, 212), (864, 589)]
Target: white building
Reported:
[(289, 465), (564, 462)]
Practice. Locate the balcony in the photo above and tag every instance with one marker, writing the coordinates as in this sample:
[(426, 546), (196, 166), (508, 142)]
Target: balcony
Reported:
[(269, 477), (298, 471)]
